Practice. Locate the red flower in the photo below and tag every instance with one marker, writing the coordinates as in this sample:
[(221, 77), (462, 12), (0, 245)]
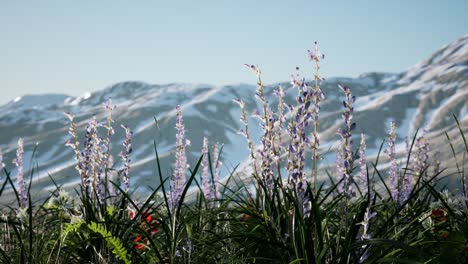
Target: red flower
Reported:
[(439, 216), (148, 224), (437, 212), (138, 246), (131, 214), (149, 218)]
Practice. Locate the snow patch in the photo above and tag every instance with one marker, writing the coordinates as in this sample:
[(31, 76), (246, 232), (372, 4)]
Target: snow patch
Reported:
[(405, 128)]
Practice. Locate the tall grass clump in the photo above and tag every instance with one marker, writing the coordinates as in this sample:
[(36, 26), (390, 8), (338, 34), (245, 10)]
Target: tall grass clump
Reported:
[(289, 208)]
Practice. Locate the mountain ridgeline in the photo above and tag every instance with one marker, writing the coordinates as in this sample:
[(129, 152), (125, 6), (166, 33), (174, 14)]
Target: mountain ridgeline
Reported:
[(422, 97)]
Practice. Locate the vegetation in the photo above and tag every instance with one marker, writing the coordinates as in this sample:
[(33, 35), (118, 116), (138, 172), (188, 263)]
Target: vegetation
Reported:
[(281, 214)]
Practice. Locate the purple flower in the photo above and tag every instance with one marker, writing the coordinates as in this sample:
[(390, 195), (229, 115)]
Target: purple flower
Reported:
[(278, 125), (267, 122), (216, 171), (97, 159), (340, 169), (420, 155), (244, 121), (317, 96), (109, 107), (75, 144), (208, 188), (315, 55), (365, 233), (255, 69), (21, 184), (362, 164), (178, 179), (347, 143), (400, 185), (85, 158), (394, 175), (125, 155), (368, 215), (299, 82), (298, 127)]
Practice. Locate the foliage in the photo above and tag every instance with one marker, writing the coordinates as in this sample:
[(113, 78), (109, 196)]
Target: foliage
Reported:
[(283, 213)]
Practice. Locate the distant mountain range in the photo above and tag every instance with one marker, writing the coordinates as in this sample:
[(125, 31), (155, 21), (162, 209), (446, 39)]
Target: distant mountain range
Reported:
[(423, 96)]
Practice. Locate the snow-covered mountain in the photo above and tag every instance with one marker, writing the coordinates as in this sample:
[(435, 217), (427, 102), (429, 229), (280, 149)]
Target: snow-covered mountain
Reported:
[(424, 96)]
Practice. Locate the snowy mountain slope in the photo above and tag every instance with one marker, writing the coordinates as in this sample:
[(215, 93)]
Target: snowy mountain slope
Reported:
[(424, 96)]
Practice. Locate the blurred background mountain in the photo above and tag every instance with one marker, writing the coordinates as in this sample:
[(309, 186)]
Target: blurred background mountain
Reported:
[(422, 97)]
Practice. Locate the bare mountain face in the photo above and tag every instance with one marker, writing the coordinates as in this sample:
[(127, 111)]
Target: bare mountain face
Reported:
[(424, 97)]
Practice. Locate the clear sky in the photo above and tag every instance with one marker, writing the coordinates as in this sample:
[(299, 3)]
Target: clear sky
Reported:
[(77, 46)]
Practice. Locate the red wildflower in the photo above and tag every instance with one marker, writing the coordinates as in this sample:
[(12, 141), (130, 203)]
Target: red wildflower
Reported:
[(138, 245), (437, 212), (155, 230), (131, 214), (147, 223), (148, 218)]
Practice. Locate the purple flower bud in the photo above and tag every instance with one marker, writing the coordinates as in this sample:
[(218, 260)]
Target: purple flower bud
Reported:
[(178, 179), (362, 164), (21, 183), (346, 144), (239, 102), (125, 155), (208, 188), (365, 233), (394, 175), (216, 171), (255, 69), (315, 55)]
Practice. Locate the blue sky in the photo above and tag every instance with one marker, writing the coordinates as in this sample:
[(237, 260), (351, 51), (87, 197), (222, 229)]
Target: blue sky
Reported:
[(77, 46)]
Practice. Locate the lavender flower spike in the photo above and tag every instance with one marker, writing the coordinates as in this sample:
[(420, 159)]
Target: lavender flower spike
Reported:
[(216, 164), (206, 181), (125, 155), (362, 164), (244, 121), (22, 189), (365, 233), (75, 144), (394, 175), (178, 179), (420, 158), (347, 141), (85, 157), (315, 55), (109, 107), (340, 169)]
